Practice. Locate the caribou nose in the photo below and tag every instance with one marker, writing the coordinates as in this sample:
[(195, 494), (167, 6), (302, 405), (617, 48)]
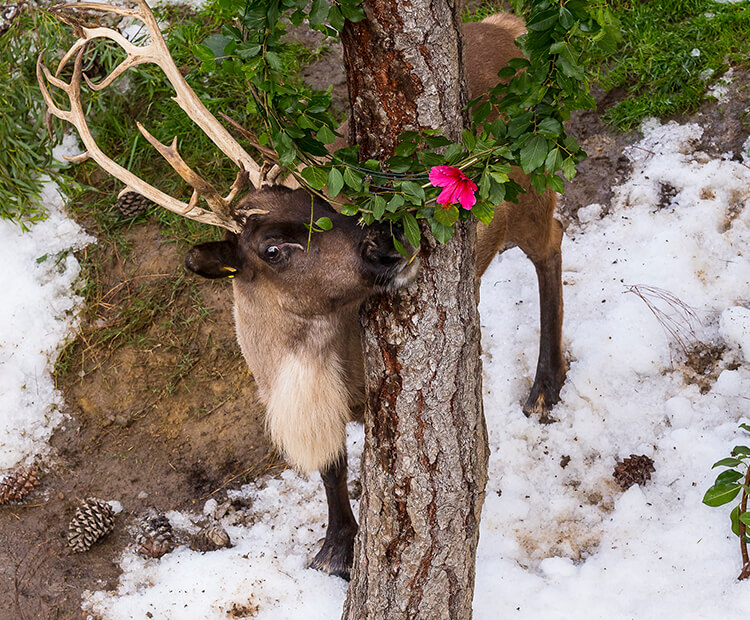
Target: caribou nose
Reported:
[(389, 268)]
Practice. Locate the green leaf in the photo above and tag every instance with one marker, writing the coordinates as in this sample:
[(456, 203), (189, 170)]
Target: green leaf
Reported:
[(744, 450), (469, 140), (274, 61), (734, 517), (325, 135), (352, 11), (550, 128), (315, 176), (411, 228), (543, 20), (378, 206), (556, 184), (395, 202), (405, 149), (324, 223), (727, 462), (335, 18), (533, 154), (745, 518), (441, 232), (217, 44), (447, 216), (720, 494), (335, 182), (484, 212), (745, 426), (730, 475), (569, 168), (353, 179), (414, 190), (399, 246), (318, 12)]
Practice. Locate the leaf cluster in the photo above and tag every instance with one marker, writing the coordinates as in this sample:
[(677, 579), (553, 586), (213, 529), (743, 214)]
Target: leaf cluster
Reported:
[(520, 123), (729, 484)]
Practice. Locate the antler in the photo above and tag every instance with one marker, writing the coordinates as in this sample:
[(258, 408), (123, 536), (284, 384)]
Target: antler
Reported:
[(155, 52)]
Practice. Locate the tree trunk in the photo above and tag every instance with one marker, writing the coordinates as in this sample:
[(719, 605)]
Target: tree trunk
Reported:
[(425, 459)]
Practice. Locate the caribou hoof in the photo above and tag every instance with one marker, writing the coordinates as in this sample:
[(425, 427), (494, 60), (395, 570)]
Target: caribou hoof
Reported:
[(336, 555), (541, 400)]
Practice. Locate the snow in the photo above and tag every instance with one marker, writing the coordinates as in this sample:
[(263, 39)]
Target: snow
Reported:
[(660, 272), (36, 315)]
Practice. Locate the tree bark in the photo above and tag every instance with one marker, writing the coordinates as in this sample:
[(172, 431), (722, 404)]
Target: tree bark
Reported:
[(425, 458)]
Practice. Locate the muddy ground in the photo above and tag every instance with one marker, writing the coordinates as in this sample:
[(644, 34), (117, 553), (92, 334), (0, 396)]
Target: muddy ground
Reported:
[(167, 416)]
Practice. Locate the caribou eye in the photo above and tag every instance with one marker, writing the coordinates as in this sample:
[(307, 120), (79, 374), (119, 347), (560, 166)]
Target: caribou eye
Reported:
[(272, 253)]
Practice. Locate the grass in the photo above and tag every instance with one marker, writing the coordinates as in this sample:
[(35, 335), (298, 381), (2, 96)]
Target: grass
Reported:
[(671, 53)]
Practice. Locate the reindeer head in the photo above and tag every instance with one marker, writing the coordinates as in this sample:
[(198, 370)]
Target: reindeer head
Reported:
[(311, 273)]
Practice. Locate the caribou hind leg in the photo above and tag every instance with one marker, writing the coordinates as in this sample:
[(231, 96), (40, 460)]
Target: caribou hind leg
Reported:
[(337, 553), (550, 370)]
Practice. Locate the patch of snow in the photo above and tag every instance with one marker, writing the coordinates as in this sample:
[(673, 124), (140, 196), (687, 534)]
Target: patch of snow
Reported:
[(36, 316), (720, 89)]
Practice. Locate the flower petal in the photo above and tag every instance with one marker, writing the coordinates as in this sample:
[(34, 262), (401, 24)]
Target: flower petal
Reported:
[(466, 194), (440, 176)]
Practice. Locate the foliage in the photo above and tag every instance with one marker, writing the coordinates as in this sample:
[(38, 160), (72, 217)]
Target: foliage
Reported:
[(728, 485), (25, 147), (672, 49), (519, 124)]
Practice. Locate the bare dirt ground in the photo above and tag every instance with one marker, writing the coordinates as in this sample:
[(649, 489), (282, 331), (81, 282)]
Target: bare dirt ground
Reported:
[(169, 416)]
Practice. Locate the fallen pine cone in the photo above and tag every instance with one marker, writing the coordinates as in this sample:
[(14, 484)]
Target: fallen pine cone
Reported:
[(93, 520), (633, 470), (210, 538), (157, 537), (132, 204), (18, 484)]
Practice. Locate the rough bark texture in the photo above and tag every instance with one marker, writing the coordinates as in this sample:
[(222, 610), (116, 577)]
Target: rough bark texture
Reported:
[(425, 458)]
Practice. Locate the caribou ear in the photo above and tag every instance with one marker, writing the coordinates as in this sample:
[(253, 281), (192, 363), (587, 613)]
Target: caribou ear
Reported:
[(216, 259)]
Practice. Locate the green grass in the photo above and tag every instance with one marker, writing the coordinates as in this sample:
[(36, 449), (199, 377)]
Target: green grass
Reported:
[(25, 147), (656, 63)]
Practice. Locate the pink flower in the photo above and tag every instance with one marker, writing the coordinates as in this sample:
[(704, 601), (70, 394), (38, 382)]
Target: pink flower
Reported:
[(457, 186)]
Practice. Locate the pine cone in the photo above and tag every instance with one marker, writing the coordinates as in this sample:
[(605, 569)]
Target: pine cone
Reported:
[(157, 537), (92, 521), (633, 470), (18, 484), (210, 538), (132, 204)]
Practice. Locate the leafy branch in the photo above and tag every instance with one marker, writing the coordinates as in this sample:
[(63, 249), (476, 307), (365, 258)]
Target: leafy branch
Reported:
[(728, 485), (520, 123)]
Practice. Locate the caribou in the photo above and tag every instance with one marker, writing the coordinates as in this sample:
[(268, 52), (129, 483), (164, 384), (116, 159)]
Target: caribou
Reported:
[(296, 296)]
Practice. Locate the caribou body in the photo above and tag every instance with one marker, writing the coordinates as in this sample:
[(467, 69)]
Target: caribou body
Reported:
[(296, 296), (296, 307)]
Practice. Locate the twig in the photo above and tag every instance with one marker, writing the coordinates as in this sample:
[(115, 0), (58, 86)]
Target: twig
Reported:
[(745, 573)]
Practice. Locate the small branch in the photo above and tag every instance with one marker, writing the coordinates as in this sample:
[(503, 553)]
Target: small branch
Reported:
[(745, 573)]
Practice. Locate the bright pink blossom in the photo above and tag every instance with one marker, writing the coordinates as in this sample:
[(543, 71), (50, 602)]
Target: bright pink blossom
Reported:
[(457, 186)]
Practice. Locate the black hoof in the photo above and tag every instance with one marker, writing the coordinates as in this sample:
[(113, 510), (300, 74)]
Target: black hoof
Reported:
[(540, 402), (336, 555)]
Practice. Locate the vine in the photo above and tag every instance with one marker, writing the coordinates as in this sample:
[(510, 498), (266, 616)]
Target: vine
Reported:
[(519, 123)]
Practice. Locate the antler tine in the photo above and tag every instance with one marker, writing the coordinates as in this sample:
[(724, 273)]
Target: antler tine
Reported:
[(77, 118), (156, 51), (204, 188)]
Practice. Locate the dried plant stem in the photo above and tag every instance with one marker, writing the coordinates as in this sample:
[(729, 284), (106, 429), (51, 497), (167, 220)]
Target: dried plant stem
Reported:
[(745, 572)]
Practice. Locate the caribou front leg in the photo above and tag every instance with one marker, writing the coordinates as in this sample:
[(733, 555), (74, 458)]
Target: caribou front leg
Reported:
[(337, 553)]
